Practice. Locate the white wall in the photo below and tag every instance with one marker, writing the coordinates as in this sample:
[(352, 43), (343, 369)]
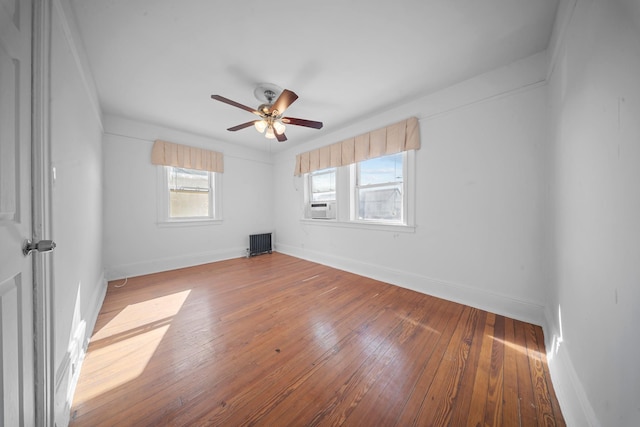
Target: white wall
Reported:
[(481, 195), (594, 306), (135, 243), (76, 207)]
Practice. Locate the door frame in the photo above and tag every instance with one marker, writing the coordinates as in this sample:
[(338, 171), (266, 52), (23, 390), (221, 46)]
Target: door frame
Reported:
[(41, 212)]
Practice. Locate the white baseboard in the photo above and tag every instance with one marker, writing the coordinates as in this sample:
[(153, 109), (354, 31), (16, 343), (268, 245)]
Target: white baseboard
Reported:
[(100, 291), (122, 271), (68, 373), (575, 405), (489, 301)]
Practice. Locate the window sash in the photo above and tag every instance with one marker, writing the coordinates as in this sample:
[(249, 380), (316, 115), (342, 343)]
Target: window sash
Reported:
[(377, 162), (179, 197), (328, 194), (380, 210), (396, 214)]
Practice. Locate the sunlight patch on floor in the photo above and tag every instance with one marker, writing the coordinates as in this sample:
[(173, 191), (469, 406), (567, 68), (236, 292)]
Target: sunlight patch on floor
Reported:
[(417, 323), (143, 313), (325, 334), (127, 343), (518, 348)]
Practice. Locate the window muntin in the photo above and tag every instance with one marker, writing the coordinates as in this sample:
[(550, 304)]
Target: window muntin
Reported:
[(190, 193), (322, 185), (380, 188)]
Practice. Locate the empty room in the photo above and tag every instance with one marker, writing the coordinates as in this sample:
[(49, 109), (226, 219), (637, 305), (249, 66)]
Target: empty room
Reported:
[(320, 213)]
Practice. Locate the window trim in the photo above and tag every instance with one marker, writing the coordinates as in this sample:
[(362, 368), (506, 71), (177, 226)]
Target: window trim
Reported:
[(308, 183), (345, 200), (215, 198), (355, 197), (306, 211), (374, 226)]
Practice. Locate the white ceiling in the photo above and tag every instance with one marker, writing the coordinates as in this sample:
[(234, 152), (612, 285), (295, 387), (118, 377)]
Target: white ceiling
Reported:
[(159, 61)]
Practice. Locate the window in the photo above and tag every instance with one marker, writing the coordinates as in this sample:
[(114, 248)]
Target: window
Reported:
[(372, 193), (378, 193), (379, 189), (322, 185), (188, 195)]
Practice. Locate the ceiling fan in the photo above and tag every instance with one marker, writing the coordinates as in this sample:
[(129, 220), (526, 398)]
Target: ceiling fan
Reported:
[(271, 122)]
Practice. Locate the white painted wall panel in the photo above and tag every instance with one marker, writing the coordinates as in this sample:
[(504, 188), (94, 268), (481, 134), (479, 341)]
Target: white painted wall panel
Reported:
[(481, 195), (76, 209), (595, 91), (134, 241)]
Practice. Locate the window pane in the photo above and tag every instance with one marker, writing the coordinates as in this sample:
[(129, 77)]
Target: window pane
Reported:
[(382, 203), (188, 193), (323, 197), (323, 185), (187, 204), (180, 178), (381, 170)]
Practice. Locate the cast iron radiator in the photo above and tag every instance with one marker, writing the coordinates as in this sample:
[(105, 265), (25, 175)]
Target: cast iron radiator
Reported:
[(259, 244)]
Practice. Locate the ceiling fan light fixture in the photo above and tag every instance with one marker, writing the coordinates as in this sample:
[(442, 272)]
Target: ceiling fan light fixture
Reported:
[(270, 134), (279, 127), (260, 125)]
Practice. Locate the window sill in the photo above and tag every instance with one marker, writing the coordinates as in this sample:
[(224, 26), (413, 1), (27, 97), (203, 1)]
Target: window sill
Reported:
[(397, 228), (189, 222)]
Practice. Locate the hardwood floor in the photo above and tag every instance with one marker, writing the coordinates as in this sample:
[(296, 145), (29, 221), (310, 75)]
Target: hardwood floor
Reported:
[(276, 341)]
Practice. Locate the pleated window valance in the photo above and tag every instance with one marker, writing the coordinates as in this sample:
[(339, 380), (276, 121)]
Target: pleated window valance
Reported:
[(170, 154), (402, 136)]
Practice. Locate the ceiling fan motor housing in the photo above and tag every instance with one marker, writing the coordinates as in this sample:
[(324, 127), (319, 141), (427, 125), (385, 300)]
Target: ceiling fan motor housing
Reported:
[(265, 109)]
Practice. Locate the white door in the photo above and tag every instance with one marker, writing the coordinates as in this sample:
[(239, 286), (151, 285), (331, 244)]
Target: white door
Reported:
[(16, 297)]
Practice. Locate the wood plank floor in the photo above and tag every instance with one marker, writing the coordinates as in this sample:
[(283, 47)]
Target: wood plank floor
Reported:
[(277, 341)]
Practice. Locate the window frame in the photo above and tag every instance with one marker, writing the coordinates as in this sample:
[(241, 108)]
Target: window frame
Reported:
[(164, 198), (346, 200), (309, 181), (355, 193)]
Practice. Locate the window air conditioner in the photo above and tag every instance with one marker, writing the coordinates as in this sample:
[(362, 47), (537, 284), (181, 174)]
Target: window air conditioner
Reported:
[(322, 210)]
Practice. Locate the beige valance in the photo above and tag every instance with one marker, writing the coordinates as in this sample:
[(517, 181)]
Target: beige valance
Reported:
[(399, 137), (170, 154)]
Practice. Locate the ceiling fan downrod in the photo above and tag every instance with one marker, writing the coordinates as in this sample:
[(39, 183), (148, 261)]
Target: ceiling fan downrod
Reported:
[(270, 96)]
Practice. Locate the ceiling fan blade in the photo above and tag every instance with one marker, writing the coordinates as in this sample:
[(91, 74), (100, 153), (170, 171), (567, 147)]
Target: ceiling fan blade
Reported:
[(243, 125), (235, 104), (285, 99), (302, 122), (280, 136)]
